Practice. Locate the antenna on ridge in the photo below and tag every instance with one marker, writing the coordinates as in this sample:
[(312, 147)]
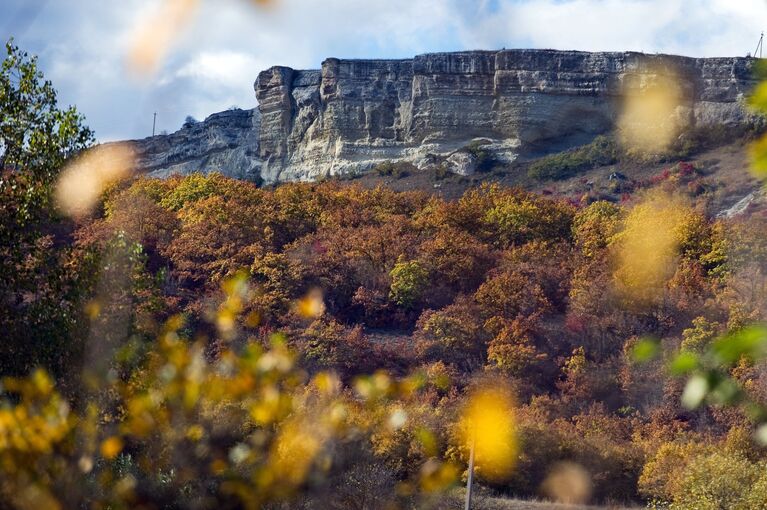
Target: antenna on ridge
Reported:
[(760, 46), (154, 122)]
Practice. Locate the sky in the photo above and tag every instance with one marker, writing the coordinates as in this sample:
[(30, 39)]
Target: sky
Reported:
[(217, 55)]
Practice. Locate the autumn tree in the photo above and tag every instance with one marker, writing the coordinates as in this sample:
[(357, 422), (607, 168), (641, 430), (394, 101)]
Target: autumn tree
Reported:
[(595, 226), (217, 237), (453, 335), (408, 281)]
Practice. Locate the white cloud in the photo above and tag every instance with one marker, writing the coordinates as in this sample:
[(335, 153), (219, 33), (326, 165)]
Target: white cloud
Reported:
[(221, 68), (689, 27), (82, 43)]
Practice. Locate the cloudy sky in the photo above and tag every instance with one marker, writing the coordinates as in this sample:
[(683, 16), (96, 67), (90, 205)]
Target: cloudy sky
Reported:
[(82, 44)]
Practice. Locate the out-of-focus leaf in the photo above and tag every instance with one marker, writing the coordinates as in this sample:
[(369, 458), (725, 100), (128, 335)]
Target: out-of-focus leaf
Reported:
[(759, 157), (684, 363), (726, 392), (758, 98), (646, 350), (695, 391), (750, 341)]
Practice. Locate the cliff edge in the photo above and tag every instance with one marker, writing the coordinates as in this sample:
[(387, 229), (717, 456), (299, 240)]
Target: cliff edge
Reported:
[(352, 114)]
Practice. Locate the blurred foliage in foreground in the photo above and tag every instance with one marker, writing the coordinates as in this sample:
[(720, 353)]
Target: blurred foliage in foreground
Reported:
[(181, 431), (144, 365)]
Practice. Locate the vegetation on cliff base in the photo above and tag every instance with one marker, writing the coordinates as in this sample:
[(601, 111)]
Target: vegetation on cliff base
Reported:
[(500, 283), (600, 152), (604, 150)]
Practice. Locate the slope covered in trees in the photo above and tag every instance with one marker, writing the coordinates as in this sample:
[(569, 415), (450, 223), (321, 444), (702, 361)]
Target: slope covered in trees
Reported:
[(549, 296), (200, 342)]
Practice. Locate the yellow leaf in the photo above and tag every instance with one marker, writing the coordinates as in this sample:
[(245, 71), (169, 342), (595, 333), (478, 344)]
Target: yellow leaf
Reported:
[(488, 425), (111, 447)]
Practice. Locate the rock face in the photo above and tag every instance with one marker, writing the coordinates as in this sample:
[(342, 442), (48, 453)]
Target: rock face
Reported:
[(352, 114), (225, 142)]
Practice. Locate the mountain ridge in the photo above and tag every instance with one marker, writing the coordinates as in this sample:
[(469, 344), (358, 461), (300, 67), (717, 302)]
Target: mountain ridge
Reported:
[(352, 114)]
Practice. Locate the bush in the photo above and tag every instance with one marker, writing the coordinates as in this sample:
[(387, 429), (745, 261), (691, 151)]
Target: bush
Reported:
[(663, 474), (189, 121), (604, 150), (698, 139), (440, 172), (600, 152), (397, 169), (484, 158), (409, 280), (719, 480)]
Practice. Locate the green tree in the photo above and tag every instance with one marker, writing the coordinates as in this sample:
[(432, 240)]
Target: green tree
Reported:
[(408, 280), (36, 136), (700, 335), (38, 293)]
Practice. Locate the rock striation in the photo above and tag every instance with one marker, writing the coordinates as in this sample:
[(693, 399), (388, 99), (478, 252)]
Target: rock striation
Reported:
[(352, 114), (225, 142)]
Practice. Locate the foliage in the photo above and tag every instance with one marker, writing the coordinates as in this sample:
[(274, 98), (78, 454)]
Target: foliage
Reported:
[(595, 226), (600, 152), (408, 280), (397, 169), (170, 387), (40, 295), (452, 335), (240, 431), (513, 217), (36, 137), (484, 158), (500, 282), (699, 336), (604, 151), (720, 480)]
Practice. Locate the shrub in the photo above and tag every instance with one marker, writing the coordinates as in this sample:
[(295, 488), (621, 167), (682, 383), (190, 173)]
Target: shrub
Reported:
[(484, 157), (397, 169), (662, 474), (409, 279), (698, 139), (600, 152), (385, 168), (719, 480), (440, 172), (189, 121)]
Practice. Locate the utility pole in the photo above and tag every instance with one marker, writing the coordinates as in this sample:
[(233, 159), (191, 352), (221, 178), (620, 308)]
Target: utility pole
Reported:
[(760, 46), (470, 478), (154, 122)]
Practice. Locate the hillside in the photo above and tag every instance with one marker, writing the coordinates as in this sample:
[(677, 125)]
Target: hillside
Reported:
[(723, 172)]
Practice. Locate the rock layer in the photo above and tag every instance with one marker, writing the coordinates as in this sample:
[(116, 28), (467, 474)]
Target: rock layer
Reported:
[(225, 142), (352, 114)]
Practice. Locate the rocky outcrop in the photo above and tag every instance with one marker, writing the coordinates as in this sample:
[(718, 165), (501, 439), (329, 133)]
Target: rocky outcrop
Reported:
[(352, 114), (225, 142)]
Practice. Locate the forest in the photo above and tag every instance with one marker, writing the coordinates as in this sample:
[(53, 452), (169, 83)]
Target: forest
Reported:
[(202, 342)]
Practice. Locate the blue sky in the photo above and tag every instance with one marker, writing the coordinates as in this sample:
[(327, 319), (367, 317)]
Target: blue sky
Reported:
[(82, 44)]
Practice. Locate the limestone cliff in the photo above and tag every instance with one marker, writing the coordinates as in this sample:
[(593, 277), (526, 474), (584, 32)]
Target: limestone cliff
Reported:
[(351, 114), (225, 142)]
